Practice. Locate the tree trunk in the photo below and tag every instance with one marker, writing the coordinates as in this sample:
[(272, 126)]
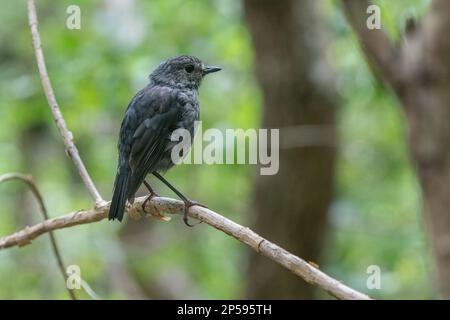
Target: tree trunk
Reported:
[(419, 73), (291, 207)]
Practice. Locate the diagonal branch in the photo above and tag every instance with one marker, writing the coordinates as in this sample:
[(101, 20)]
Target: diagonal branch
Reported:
[(377, 47), (300, 267), (36, 193), (67, 136)]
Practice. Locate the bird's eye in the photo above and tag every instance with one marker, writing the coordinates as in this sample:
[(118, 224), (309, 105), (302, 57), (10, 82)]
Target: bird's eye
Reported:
[(189, 68)]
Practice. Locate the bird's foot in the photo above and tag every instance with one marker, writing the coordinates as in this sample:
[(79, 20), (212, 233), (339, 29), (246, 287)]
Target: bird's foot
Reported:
[(187, 204), (154, 212), (149, 197)]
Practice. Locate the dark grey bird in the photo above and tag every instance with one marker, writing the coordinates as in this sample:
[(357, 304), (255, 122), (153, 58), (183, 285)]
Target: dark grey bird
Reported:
[(167, 103)]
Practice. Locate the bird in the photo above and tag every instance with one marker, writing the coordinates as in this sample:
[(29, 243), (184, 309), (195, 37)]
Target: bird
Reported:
[(167, 103)]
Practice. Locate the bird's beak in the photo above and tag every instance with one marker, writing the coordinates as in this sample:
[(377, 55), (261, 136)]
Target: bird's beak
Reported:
[(210, 69)]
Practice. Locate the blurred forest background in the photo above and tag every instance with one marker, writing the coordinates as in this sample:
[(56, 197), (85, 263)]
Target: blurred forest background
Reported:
[(346, 202)]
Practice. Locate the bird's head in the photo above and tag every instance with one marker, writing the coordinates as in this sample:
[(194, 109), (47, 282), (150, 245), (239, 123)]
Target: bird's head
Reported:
[(181, 72)]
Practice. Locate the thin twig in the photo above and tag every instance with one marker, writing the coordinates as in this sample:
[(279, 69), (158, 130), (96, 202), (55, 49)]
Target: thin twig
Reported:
[(36, 193), (91, 293), (67, 136), (303, 269)]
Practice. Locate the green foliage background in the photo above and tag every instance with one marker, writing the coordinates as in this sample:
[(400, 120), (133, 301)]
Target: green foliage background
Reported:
[(375, 218)]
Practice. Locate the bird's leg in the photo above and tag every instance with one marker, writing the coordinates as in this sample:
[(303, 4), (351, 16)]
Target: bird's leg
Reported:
[(150, 196), (187, 202), (155, 211)]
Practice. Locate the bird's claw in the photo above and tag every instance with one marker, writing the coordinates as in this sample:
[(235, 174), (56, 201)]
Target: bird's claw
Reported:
[(154, 212), (187, 205), (149, 197)]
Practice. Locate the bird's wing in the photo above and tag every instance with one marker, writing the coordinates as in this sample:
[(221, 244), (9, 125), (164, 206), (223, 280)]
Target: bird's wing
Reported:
[(158, 115)]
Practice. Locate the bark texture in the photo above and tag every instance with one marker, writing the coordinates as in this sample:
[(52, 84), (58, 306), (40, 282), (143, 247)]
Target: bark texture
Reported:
[(418, 70)]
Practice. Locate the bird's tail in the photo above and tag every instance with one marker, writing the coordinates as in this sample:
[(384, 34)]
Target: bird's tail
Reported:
[(120, 194)]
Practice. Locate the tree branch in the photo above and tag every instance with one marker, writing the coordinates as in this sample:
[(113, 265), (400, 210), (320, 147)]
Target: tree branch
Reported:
[(156, 205), (382, 55), (37, 194), (67, 136), (307, 271)]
